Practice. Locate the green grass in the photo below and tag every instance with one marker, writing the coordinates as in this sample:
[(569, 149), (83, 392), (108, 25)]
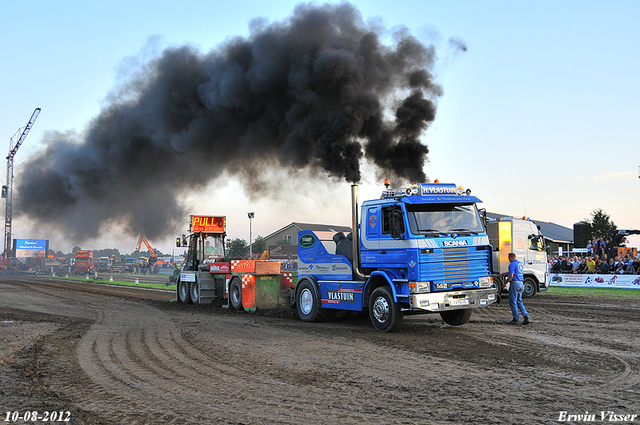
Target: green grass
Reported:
[(594, 292), (122, 283)]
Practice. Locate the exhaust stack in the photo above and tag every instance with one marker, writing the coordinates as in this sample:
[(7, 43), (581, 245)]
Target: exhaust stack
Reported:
[(355, 226)]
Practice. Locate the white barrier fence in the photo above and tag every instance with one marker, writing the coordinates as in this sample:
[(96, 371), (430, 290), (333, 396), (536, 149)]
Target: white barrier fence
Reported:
[(629, 281)]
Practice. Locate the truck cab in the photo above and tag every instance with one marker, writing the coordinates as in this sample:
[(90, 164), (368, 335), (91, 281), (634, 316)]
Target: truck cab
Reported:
[(420, 249), (522, 237), (205, 242), (83, 262)]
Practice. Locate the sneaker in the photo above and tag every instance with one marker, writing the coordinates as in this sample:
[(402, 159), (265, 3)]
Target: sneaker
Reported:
[(526, 321), (513, 322)]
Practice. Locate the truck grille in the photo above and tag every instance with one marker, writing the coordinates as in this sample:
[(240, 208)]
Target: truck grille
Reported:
[(451, 268)]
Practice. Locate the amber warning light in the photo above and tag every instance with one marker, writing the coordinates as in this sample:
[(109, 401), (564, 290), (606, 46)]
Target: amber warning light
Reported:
[(203, 223)]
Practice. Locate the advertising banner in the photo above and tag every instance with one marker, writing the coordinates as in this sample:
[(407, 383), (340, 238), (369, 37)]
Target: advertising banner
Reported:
[(39, 244), (25, 248), (625, 281)]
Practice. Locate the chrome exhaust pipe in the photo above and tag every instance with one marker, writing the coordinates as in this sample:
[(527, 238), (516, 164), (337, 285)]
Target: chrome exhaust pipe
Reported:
[(355, 234)]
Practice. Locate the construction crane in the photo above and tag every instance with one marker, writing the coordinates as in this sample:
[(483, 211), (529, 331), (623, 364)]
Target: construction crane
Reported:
[(153, 257), (7, 190)]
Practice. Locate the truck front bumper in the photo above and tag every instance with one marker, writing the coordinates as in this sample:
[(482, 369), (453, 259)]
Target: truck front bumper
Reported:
[(454, 300)]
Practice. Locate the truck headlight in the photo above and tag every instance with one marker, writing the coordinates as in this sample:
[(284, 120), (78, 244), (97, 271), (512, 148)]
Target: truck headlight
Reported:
[(417, 287), (485, 282)]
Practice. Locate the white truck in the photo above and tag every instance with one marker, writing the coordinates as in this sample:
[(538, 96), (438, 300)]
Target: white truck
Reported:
[(523, 238)]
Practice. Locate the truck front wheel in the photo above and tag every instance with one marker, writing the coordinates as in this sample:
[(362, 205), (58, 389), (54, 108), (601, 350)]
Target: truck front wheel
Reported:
[(184, 292), (499, 284), (235, 294), (456, 317), (529, 288), (385, 314)]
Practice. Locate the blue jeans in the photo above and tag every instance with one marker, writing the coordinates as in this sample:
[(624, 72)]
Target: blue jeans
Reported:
[(515, 299)]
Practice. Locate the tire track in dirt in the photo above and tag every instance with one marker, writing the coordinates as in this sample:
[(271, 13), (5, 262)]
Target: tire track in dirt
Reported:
[(377, 371), (122, 380), (144, 362), (607, 366), (112, 354), (118, 383), (592, 335)]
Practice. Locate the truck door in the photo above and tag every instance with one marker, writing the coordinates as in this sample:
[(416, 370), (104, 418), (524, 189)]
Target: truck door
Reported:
[(537, 256), (522, 231), (521, 245), (392, 250), (370, 240)]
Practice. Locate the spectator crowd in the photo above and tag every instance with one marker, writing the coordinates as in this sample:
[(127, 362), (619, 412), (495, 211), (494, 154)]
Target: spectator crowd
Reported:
[(601, 258)]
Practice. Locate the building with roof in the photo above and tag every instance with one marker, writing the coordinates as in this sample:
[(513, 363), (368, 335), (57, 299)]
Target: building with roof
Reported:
[(283, 243)]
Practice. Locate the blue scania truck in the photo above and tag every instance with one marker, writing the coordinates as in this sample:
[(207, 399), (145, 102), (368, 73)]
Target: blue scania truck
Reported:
[(418, 249)]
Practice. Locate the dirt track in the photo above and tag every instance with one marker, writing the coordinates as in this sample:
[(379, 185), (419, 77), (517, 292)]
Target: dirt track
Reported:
[(129, 356)]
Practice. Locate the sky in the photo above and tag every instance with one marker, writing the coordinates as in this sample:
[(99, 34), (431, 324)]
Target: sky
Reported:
[(538, 117)]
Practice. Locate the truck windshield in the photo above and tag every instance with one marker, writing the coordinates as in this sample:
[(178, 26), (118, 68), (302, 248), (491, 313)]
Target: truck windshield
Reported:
[(536, 242), (213, 247), (444, 219)]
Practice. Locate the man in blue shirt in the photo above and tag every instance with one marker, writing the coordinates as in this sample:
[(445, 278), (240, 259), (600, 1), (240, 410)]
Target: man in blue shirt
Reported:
[(516, 288)]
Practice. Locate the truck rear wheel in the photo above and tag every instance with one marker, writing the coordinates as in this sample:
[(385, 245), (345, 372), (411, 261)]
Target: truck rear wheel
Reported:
[(530, 288), (235, 294), (385, 314), (307, 301), (194, 291), (184, 292), (456, 317)]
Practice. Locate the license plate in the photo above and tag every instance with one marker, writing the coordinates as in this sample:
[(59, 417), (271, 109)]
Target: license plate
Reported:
[(464, 301)]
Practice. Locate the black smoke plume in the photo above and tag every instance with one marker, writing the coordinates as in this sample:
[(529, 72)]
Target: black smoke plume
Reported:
[(318, 91)]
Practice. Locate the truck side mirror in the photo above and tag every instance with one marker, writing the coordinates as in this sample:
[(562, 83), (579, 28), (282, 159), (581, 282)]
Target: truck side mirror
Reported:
[(483, 216)]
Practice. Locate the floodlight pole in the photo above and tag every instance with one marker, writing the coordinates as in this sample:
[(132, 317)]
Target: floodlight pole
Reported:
[(251, 215)]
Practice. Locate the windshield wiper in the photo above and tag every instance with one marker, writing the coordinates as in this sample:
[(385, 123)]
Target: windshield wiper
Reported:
[(464, 230), (425, 231)]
